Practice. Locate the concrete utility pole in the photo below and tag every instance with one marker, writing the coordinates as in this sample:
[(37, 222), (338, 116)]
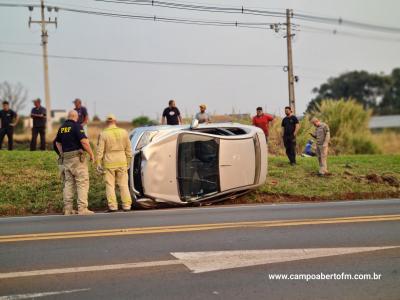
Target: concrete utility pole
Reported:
[(43, 22), (289, 35)]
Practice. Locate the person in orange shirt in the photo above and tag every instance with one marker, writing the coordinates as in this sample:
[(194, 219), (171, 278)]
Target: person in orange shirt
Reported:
[(262, 121)]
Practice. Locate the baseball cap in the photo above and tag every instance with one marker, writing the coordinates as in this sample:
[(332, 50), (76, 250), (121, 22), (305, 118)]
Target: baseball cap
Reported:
[(203, 106), (111, 117)]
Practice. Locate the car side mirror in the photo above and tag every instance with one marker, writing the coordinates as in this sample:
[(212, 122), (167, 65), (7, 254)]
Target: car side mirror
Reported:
[(194, 124)]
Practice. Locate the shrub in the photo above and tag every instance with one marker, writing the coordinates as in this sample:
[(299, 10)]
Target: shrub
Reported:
[(348, 123)]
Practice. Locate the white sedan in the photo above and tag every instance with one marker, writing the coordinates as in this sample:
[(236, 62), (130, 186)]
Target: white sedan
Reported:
[(204, 163)]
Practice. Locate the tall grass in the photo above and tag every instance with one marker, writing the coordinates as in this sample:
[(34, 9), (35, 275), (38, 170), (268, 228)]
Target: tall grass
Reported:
[(348, 123)]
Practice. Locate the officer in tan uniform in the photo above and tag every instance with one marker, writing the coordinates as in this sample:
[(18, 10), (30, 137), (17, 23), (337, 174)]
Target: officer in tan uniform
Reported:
[(114, 155), (72, 143), (323, 136)]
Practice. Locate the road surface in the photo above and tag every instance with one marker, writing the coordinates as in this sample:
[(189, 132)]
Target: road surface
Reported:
[(227, 252)]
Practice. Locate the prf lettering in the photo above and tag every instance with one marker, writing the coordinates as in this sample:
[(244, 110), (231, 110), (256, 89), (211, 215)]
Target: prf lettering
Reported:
[(65, 129)]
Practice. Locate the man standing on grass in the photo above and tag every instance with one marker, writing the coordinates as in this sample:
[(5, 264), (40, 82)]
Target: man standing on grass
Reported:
[(323, 136), (171, 115), (290, 126), (39, 116), (262, 121), (8, 119), (114, 153), (83, 116), (72, 143)]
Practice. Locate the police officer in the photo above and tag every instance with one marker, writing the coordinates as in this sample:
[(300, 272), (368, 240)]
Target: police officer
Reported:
[(114, 156), (8, 119), (323, 136), (71, 142)]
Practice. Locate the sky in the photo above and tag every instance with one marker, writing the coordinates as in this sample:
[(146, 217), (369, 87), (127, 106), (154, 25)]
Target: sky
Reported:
[(129, 90)]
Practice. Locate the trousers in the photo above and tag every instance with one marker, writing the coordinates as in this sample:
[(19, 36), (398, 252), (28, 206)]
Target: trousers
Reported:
[(9, 131), (117, 176), (322, 154), (35, 132), (76, 179), (290, 146)]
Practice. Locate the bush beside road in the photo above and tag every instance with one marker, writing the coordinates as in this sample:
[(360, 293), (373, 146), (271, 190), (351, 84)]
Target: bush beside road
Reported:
[(30, 184)]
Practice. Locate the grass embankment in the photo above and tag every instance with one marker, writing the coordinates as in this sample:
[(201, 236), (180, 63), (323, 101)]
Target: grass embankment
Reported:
[(29, 181)]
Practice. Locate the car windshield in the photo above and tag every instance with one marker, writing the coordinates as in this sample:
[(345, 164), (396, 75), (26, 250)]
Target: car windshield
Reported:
[(198, 172), (145, 139)]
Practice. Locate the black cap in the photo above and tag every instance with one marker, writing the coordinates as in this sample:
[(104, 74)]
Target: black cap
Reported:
[(259, 108)]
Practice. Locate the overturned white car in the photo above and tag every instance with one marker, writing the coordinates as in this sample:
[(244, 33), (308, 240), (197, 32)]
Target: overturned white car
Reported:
[(184, 165)]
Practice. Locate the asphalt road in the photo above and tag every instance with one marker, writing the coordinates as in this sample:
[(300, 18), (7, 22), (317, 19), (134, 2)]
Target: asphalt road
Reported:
[(206, 253)]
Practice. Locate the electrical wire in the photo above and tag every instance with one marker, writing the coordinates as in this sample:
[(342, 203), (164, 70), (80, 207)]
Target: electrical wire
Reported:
[(147, 62), (260, 12)]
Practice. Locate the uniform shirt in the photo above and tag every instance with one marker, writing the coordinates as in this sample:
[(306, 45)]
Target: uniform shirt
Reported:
[(7, 117), (322, 134), (82, 114), (203, 117), (114, 148), (289, 126), (69, 136), (263, 122), (39, 121), (172, 113)]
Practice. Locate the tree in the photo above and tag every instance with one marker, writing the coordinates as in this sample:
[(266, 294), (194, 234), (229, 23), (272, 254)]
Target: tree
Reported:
[(142, 121), (16, 95), (367, 89), (391, 101)]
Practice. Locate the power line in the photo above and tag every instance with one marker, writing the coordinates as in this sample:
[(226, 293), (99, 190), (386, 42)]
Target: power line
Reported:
[(255, 25), (147, 62), (326, 31), (260, 12)]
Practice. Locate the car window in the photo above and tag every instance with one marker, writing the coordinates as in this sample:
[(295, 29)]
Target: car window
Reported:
[(145, 139), (198, 172)]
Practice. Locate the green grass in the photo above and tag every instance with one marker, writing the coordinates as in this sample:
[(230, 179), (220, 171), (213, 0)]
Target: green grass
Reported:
[(30, 184), (346, 181)]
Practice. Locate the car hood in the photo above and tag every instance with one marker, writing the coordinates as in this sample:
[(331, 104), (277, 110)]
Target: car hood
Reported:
[(159, 170), (237, 161)]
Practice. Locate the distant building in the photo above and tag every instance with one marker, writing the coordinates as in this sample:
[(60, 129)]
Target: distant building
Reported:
[(383, 122), (58, 115)]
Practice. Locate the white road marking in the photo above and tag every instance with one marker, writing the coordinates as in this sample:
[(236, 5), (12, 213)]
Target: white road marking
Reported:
[(38, 295), (199, 262), (89, 269), (208, 261)]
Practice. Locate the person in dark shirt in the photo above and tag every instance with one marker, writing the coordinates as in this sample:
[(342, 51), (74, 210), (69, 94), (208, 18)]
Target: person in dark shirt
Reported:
[(171, 115), (83, 116), (290, 126), (39, 116), (8, 119), (71, 142)]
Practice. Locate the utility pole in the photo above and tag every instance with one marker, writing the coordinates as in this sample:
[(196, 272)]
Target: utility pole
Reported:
[(43, 22), (289, 35)]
